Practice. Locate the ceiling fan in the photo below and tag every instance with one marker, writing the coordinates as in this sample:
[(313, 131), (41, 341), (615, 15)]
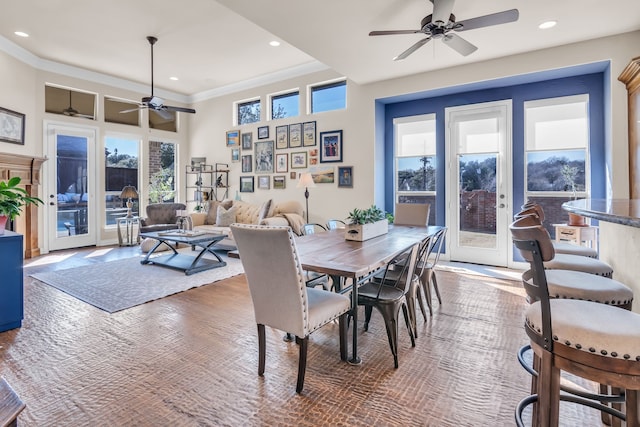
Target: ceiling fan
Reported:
[(441, 24), (153, 102), (72, 112)]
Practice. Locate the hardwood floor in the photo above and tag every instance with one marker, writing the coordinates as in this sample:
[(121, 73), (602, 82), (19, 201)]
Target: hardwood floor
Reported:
[(191, 360)]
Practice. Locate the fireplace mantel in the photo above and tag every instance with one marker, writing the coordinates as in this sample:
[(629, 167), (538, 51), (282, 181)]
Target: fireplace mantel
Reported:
[(28, 169)]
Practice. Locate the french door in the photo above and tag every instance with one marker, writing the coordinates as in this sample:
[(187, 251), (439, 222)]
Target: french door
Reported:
[(70, 186), (479, 182)]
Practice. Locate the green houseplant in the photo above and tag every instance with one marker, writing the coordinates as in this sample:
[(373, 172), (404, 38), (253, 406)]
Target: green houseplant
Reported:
[(12, 200), (367, 223)]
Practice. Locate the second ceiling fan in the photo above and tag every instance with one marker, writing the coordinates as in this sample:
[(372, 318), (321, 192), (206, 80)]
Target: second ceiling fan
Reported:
[(441, 24)]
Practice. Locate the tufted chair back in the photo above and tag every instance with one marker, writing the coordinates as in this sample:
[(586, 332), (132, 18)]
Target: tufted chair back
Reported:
[(412, 214)]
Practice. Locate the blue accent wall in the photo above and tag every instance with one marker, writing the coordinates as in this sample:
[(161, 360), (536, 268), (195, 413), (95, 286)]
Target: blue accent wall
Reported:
[(592, 84)]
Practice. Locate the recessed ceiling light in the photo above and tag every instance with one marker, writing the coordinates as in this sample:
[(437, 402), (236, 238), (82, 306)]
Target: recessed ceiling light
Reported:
[(274, 43), (173, 78), (547, 24), (21, 34)]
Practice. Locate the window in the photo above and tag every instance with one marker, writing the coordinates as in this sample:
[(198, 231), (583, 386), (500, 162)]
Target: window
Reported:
[(113, 108), (285, 105), (121, 169), (556, 150), (69, 102), (415, 158), (248, 112), (163, 120), (327, 97), (162, 172)]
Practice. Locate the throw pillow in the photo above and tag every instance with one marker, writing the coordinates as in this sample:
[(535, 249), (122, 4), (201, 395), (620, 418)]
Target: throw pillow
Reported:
[(212, 212), (225, 217), (265, 211)]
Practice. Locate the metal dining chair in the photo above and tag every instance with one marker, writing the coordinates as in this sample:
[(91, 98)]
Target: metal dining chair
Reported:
[(334, 224)]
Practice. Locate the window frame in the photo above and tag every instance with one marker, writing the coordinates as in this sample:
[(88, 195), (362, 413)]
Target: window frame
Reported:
[(328, 84), (280, 95), (121, 136), (236, 110)]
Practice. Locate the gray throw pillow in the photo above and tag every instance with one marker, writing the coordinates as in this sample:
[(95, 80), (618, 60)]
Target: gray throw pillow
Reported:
[(225, 217)]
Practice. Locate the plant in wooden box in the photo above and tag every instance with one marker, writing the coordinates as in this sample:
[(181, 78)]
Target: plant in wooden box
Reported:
[(569, 175), (366, 223), (12, 200)]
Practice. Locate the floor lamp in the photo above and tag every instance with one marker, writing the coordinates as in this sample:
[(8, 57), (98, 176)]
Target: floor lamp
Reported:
[(306, 181)]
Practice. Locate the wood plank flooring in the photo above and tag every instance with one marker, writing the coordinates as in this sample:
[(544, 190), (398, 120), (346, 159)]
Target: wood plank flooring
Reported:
[(191, 360)]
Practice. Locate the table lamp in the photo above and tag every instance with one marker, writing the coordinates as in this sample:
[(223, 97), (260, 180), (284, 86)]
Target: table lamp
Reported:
[(306, 181), (129, 192)]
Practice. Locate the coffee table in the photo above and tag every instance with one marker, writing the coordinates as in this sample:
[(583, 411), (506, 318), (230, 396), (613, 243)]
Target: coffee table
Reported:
[(188, 263)]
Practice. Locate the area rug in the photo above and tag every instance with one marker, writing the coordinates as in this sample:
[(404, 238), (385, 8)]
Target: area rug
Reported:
[(118, 285)]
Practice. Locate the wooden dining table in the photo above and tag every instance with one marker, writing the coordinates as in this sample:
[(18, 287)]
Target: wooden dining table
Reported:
[(354, 262)]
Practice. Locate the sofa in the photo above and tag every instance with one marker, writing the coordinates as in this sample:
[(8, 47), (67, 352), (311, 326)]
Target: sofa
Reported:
[(220, 215), (161, 217)]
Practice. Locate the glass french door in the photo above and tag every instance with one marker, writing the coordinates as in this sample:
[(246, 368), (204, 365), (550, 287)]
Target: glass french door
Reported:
[(70, 189), (479, 182)]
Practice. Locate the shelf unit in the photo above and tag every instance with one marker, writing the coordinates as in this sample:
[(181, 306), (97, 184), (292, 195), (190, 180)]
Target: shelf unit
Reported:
[(204, 182)]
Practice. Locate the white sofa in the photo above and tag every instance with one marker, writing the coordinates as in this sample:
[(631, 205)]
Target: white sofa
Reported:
[(288, 212)]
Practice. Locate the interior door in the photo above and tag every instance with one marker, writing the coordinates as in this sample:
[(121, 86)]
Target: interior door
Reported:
[(70, 190), (479, 182)]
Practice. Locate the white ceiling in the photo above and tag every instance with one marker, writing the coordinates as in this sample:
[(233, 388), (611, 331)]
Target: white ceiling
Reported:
[(217, 46)]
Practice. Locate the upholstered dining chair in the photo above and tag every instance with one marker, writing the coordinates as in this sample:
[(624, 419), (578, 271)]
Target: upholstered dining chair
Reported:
[(388, 298), (412, 214), (595, 341), (280, 297)]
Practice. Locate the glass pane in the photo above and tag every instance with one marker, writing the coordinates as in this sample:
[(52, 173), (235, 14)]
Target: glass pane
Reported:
[(479, 136), (416, 138), (285, 105), (162, 172), (477, 200), (557, 126), (556, 170), (72, 215), (249, 112), (416, 173), (329, 97), (121, 169)]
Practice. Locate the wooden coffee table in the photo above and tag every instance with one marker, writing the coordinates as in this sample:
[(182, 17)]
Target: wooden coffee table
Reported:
[(188, 263)]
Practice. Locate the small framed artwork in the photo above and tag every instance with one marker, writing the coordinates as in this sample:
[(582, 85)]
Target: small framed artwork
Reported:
[(11, 126), (345, 176), (323, 174), (313, 160), (279, 182), (282, 137), (247, 141), (235, 155), (331, 146), (309, 134), (233, 138), (264, 156), (282, 163), (293, 175), (295, 135), (247, 163), (263, 132), (246, 184), (299, 160), (264, 182)]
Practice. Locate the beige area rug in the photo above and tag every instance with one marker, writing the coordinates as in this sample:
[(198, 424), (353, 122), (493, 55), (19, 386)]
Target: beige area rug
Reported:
[(118, 285)]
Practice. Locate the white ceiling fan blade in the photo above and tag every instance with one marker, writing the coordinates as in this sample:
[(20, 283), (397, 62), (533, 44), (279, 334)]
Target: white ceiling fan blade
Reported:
[(412, 49), (459, 44), (131, 110), (442, 10), (166, 115)]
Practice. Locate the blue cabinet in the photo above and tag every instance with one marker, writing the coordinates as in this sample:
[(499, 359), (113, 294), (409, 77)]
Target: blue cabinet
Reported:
[(11, 281)]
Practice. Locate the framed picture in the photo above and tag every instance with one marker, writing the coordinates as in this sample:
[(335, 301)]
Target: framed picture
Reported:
[(246, 184), (331, 146), (345, 176), (295, 135), (313, 160), (299, 160), (264, 182), (247, 141), (279, 182), (233, 138), (309, 134), (264, 156), (323, 174), (293, 175), (282, 163), (263, 132), (247, 163), (282, 137), (11, 126), (235, 155)]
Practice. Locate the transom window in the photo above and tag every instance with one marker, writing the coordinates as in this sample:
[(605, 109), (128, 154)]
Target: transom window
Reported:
[(328, 96), (285, 105), (248, 111)]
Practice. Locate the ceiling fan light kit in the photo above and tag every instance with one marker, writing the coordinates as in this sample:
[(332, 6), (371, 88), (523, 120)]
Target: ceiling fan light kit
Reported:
[(153, 102), (442, 25)]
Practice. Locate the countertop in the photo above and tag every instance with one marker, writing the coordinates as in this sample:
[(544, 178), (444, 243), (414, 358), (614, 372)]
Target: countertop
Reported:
[(618, 211)]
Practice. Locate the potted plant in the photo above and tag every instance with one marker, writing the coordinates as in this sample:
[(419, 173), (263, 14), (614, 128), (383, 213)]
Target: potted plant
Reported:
[(12, 200), (569, 175), (366, 223)]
